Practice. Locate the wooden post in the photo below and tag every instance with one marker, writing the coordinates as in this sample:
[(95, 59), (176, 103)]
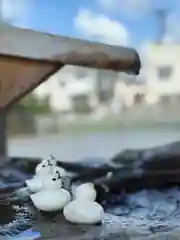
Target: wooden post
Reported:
[(3, 136)]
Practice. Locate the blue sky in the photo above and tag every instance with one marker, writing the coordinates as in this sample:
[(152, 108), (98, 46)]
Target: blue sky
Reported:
[(131, 22)]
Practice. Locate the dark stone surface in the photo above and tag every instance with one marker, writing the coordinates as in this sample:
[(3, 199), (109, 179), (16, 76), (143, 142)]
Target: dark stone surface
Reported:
[(25, 165), (7, 212), (166, 157), (130, 170), (59, 228), (126, 186), (15, 216)]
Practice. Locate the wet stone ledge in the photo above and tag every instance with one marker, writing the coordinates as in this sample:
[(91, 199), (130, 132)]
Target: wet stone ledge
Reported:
[(139, 190)]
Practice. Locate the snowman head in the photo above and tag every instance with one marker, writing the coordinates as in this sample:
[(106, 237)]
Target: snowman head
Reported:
[(46, 166), (85, 191), (53, 182)]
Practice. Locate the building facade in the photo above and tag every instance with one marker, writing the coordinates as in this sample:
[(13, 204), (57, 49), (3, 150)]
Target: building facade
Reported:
[(162, 73), (66, 87)]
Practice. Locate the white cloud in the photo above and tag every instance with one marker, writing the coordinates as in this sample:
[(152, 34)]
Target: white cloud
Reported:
[(131, 6), (15, 11), (100, 27)]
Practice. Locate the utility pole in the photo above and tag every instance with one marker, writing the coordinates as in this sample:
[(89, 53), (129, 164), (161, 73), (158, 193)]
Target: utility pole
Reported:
[(161, 15), (105, 81)]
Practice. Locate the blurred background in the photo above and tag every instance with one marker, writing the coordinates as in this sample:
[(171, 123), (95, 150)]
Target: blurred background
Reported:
[(82, 112)]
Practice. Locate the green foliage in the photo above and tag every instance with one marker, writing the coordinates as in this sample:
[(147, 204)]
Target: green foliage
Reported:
[(33, 104)]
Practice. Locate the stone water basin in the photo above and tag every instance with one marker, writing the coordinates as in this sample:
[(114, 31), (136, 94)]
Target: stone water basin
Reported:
[(142, 201), (146, 214)]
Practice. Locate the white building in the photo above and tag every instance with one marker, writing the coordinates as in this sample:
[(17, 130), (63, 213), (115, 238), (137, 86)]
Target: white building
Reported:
[(63, 86), (130, 95), (162, 72)]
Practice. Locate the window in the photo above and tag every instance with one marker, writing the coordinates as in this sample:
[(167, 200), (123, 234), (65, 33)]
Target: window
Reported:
[(178, 98), (81, 72), (62, 84), (81, 104), (139, 98), (164, 72), (165, 100)]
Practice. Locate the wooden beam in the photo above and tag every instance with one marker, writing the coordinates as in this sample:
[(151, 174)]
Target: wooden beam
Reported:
[(28, 58), (20, 76), (47, 47)]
